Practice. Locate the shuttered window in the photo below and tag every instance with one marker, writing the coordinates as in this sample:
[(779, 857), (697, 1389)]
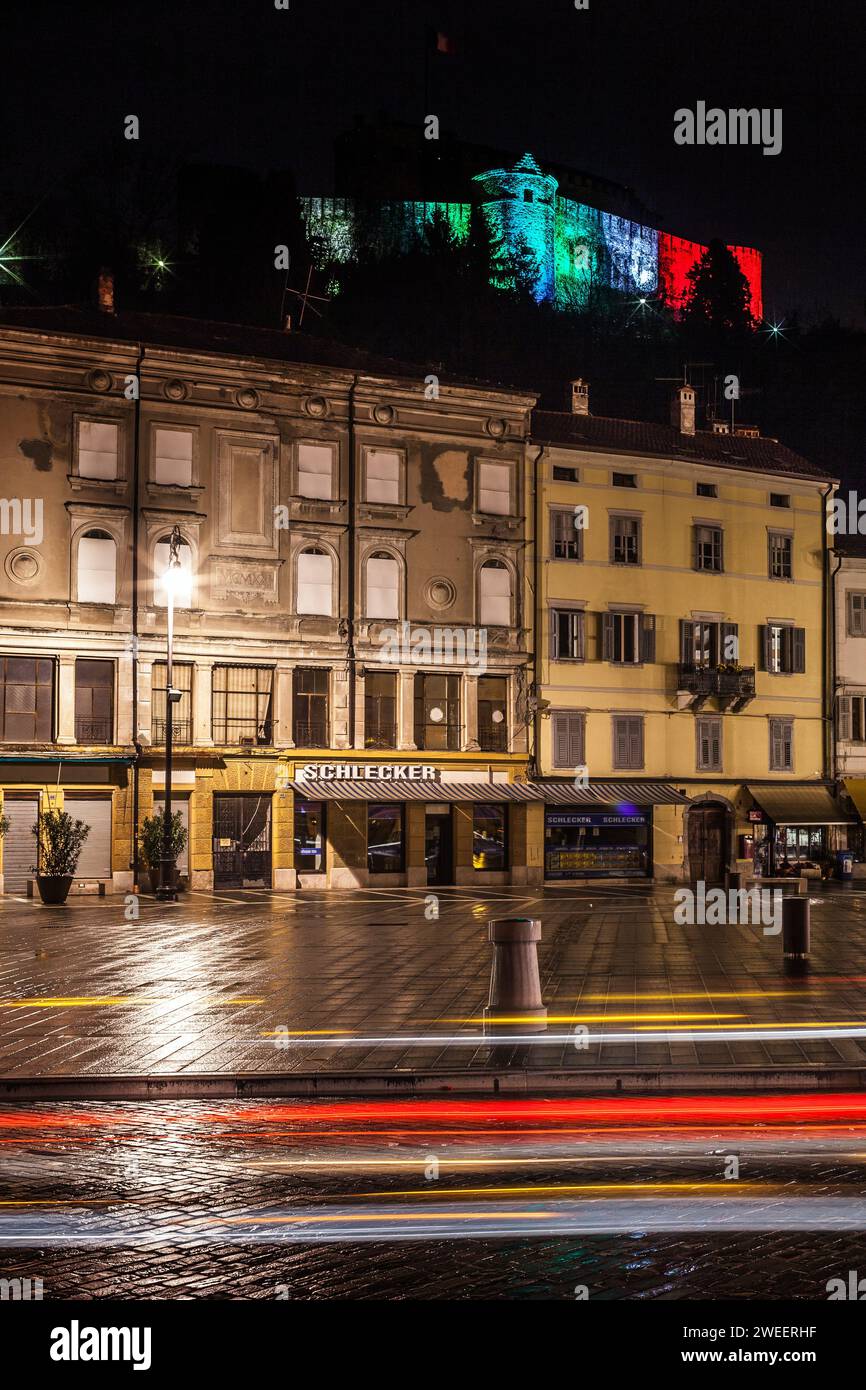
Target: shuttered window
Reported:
[(315, 470), (26, 699), (97, 568), (95, 860), (97, 449), (856, 614), (172, 457), (628, 638), (315, 583), (494, 595), (242, 705), (709, 745), (494, 488), (628, 741), (851, 718), (383, 476), (383, 587), (569, 740), (781, 745), (567, 634), (783, 649)]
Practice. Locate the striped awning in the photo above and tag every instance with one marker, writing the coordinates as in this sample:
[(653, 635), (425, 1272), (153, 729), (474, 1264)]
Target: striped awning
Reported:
[(612, 794), (374, 790), (791, 805)]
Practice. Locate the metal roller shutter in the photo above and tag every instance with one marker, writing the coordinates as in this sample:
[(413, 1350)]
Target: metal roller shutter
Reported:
[(95, 861), (178, 803), (19, 847)]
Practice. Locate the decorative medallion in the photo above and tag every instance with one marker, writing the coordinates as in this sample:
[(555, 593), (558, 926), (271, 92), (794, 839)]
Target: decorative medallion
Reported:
[(247, 398), (440, 593), (99, 380), (497, 427), (383, 414), (24, 566), (175, 390), (316, 406)]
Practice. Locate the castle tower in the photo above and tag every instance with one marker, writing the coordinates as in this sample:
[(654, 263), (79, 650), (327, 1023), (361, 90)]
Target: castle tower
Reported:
[(520, 207)]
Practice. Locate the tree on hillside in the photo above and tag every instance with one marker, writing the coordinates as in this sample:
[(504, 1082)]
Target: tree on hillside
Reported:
[(718, 294)]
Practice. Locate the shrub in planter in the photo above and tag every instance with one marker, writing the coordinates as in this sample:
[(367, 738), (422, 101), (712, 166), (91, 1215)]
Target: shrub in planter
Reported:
[(59, 839), (151, 842)]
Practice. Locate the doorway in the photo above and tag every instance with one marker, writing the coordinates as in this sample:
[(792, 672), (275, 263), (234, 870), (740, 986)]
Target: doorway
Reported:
[(708, 843), (19, 846), (242, 841), (438, 846)]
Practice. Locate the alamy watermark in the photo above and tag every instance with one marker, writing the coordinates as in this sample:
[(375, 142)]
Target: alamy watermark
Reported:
[(22, 516), (433, 646), (736, 126), (717, 907)]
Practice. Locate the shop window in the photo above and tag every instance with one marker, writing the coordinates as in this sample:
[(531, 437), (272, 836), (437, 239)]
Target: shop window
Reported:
[(383, 587), (494, 583), (709, 745), (181, 722), (567, 634), (489, 836), (172, 457), (380, 709), (26, 699), (783, 649), (566, 540), (493, 714), (494, 488), (856, 614), (310, 706), (781, 745), (625, 540), (310, 837), (315, 471), (384, 476), (437, 712), (243, 705), (628, 638), (183, 582), (569, 740), (94, 701), (628, 742), (97, 568), (708, 548), (385, 839), (781, 556), (98, 442), (315, 583)]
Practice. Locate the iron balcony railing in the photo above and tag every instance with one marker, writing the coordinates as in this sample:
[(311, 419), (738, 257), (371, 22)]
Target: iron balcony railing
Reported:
[(733, 686), (311, 735), (93, 730), (181, 730)]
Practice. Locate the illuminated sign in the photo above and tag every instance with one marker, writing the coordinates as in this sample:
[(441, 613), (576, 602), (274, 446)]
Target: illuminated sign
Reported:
[(368, 772)]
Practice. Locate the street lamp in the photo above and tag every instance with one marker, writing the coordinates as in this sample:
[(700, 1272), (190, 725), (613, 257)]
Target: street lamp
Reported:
[(167, 889)]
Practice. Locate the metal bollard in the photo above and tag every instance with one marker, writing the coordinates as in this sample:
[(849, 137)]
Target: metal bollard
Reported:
[(515, 986), (795, 928)]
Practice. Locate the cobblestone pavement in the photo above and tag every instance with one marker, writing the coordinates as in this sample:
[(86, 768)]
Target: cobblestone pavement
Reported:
[(341, 1200), (258, 981)]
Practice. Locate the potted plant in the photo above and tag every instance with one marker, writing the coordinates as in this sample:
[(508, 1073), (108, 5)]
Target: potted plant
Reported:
[(151, 843), (59, 841)]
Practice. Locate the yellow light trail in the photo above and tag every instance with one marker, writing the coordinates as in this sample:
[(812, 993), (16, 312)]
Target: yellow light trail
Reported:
[(592, 1018), (769, 1023), (636, 998), (577, 1187), (132, 1000), (385, 1216), (307, 1033)]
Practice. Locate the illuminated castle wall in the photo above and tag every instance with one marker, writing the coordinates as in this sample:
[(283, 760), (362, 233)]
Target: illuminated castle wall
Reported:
[(576, 248)]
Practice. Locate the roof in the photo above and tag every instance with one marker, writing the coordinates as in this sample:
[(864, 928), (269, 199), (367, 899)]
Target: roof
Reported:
[(666, 441), (236, 339)]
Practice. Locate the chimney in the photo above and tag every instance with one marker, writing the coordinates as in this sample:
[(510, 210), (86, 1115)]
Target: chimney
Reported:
[(683, 410), (579, 396), (105, 291)]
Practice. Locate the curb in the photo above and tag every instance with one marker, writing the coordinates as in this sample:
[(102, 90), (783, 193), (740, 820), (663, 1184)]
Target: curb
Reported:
[(503, 1081)]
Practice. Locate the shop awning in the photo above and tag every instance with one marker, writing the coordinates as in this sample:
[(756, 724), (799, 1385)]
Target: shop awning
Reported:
[(346, 790), (612, 794), (800, 806), (856, 789), (56, 758)]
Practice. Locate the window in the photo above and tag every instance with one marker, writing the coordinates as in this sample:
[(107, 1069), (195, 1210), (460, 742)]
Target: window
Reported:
[(780, 499), (783, 649), (852, 718), (493, 714), (97, 568), (385, 839), (183, 583), (384, 469), (494, 488), (310, 837), (181, 712), (567, 634), (94, 701), (243, 705), (569, 740), (315, 583), (708, 548), (709, 745), (310, 706), (856, 614), (781, 745), (98, 444), (494, 595), (628, 741), (566, 540), (380, 709), (781, 556), (489, 836), (315, 470), (708, 643), (706, 490), (628, 638), (623, 479), (383, 586), (625, 540), (565, 475), (172, 457), (27, 696), (437, 712)]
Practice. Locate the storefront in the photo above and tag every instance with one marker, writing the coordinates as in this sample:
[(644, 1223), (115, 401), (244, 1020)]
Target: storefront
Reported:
[(795, 830), (601, 830)]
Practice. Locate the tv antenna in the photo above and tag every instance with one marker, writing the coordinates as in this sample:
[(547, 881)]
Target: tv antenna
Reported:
[(304, 296)]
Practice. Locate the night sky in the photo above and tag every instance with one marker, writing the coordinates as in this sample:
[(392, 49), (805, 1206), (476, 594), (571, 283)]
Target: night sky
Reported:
[(238, 81)]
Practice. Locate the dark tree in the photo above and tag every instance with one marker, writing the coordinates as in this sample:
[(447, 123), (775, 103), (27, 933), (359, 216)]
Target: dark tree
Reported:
[(718, 296)]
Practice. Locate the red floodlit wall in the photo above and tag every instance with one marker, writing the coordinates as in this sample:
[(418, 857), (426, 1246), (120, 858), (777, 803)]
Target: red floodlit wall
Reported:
[(676, 258)]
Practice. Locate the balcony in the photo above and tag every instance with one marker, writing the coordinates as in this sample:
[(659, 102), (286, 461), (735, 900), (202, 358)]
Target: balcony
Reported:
[(181, 731), (732, 686), (311, 734), (493, 738), (94, 730)]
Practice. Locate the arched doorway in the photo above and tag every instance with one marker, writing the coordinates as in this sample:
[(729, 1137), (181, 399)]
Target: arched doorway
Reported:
[(708, 840)]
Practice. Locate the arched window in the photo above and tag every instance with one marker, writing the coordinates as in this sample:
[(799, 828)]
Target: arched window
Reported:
[(183, 583), (315, 583), (97, 568), (383, 586), (494, 595)]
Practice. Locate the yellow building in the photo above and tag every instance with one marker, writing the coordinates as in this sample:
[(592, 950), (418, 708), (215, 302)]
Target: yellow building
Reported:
[(681, 648)]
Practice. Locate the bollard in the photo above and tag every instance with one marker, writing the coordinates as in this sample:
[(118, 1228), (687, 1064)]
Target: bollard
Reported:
[(515, 986), (735, 880), (795, 928)]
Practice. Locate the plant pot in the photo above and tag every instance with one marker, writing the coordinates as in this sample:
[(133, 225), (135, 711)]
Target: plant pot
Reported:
[(54, 888), (153, 875)]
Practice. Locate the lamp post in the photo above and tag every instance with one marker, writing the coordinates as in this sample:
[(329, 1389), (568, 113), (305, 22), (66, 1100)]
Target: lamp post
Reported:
[(167, 889)]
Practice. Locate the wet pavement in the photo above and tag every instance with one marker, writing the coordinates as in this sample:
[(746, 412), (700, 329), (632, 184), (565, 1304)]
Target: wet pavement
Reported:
[(368, 981), (638, 1198)]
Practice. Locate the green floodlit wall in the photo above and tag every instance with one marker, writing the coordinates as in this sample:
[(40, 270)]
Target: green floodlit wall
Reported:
[(340, 226)]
